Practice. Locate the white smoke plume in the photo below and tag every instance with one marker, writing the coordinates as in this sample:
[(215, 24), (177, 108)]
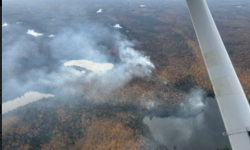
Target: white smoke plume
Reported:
[(26, 99), (199, 126), (194, 103), (39, 64)]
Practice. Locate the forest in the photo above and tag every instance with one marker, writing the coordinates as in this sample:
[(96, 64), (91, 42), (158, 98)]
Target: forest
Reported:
[(114, 121)]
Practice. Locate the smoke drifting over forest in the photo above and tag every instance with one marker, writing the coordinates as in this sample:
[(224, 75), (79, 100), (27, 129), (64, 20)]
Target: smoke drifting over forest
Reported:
[(199, 126), (70, 51), (37, 63)]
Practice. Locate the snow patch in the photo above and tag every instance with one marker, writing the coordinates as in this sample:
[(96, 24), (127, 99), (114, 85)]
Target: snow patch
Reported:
[(33, 33), (51, 36), (5, 25), (118, 26), (90, 65), (27, 98), (99, 11)]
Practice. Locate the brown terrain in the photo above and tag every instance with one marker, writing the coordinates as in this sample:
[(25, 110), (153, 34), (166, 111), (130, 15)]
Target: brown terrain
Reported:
[(165, 33)]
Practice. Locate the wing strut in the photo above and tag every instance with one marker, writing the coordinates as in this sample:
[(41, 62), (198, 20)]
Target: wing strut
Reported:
[(230, 96)]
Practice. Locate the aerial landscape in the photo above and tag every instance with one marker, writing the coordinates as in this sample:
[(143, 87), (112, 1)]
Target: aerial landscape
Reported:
[(114, 75)]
